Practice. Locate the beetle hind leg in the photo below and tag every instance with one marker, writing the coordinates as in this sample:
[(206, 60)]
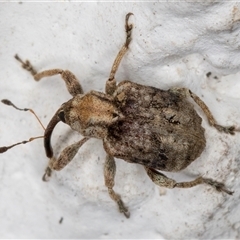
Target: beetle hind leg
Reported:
[(109, 174), (188, 93), (220, 187), (211, 120), (163, 181)]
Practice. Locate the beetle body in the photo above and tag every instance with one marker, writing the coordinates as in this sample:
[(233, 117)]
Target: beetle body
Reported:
[(140, 124)]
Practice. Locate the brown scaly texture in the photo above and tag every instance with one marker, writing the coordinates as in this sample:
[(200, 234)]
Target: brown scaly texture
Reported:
[(160, 128)]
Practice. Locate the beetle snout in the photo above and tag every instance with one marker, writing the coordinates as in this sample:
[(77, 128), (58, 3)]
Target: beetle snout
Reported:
[(58, 116)]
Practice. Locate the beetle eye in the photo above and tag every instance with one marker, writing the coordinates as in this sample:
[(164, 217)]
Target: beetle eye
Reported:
[(61, 116)]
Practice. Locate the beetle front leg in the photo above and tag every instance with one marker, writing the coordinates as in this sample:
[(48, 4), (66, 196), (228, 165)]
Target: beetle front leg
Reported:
[(111, 82), (163, 181), (69, 78), (109, 174), (65, 157)]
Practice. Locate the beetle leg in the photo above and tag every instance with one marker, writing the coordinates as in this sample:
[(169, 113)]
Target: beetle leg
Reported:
[(65, 157), (26, 65), (111, 82), (188, 93), (163, 181), (109, 174), (70, 79)]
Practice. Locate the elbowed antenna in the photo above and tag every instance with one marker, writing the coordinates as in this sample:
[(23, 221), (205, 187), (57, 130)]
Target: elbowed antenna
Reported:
[(9, 103), (58, 116)]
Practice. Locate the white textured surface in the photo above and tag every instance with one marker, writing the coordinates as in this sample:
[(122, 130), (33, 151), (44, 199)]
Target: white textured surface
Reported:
[(174, 44)]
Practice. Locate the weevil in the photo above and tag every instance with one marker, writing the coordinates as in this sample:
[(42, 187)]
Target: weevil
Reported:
[(159, 129)]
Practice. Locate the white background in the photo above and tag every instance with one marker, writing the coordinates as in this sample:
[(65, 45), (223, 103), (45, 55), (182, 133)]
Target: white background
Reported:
[(174, 45)]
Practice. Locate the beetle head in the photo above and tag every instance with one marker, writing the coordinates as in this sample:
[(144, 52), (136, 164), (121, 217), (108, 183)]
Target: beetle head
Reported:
[(90, 114)]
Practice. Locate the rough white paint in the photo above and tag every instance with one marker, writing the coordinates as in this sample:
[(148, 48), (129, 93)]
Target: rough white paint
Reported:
[(174, 44)]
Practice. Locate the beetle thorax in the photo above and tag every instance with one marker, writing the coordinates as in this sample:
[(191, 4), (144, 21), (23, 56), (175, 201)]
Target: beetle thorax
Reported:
[(91, 114)]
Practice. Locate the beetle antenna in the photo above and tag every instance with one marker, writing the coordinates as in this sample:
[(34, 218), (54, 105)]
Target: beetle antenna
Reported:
[(5, 148), (9, 103)]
